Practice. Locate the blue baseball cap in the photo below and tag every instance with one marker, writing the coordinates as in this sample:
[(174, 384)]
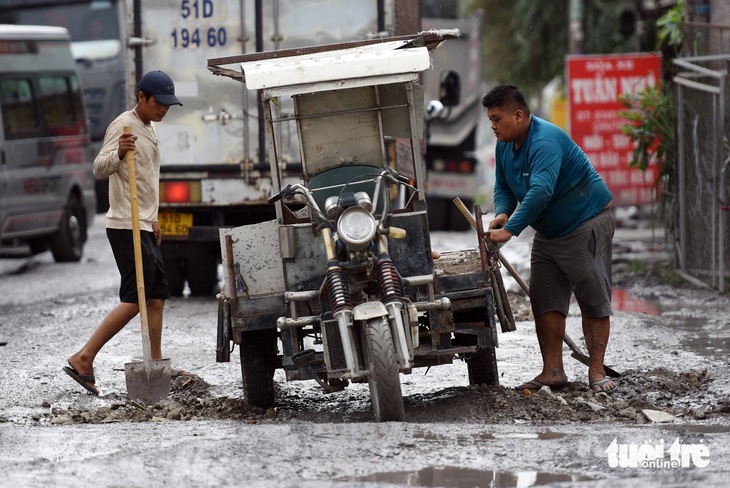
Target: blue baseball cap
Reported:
[(160, 86)]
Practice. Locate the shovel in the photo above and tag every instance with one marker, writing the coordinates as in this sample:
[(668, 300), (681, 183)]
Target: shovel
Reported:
[(576, 352), (148, 380)]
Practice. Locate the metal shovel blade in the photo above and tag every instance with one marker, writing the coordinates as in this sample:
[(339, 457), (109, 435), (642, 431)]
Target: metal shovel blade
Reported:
[(148, 381)]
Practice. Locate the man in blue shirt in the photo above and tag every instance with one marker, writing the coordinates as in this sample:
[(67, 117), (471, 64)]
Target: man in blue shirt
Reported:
[(544, 180)]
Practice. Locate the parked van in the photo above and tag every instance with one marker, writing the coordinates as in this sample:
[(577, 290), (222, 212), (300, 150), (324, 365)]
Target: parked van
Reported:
[(47, 197)]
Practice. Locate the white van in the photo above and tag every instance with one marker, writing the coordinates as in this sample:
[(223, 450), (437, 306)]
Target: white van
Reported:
[(47, 197)]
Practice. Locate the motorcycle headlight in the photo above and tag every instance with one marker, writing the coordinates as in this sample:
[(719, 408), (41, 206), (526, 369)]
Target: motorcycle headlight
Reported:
[(356, 228)]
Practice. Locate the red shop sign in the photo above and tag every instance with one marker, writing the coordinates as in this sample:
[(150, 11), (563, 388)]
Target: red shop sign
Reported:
[(594, 84)]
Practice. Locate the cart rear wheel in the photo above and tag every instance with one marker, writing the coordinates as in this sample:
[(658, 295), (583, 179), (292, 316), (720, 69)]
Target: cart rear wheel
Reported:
[(384, 381), (482, 366), (258, 354)]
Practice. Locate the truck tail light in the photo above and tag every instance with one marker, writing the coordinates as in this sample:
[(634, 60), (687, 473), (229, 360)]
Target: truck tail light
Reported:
[(463, 166), (179, 191)]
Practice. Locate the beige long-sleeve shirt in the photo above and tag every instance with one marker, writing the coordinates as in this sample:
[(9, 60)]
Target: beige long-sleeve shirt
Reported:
[(147, 167)]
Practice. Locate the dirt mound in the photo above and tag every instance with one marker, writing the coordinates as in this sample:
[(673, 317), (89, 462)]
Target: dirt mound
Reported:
[(678, 394), (189, 399)]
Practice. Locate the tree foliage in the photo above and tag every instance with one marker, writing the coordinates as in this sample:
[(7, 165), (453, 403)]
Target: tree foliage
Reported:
[(649, 114), (524, 41), (670, 27), (650, 125)]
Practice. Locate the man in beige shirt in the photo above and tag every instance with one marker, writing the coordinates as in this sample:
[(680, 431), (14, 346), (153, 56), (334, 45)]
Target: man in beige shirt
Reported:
[(155, 95)]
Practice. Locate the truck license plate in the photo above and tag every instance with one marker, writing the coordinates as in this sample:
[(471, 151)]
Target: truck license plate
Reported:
[(175, 224)]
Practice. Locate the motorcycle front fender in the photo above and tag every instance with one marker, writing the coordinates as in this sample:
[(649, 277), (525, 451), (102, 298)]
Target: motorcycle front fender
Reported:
[(369, 310)]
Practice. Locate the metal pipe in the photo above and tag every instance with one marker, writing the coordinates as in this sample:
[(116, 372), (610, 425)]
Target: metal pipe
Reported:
[(400, 335), (231, 275), (419, 280), (244, 91), (287, 323), (714, 207), (438, 304), (347, 334), (697, 86), (718, 157), (259, 21), (682, 191), (300, 296), (329, 245), (699, 69), (723, 176)]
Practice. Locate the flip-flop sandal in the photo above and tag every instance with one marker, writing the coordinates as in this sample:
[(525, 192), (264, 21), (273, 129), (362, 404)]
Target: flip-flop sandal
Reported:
[(535, 385), (82, 379), (532, 385), (602, 382), (174, 373)]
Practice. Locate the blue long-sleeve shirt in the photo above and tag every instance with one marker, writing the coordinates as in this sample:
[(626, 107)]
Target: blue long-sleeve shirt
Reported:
[(552, 179)]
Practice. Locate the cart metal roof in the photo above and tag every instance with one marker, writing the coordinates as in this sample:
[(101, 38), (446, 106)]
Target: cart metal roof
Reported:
[(333, 65)]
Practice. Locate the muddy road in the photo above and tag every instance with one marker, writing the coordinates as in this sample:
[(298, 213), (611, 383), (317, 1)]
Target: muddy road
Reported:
[(668, 424)]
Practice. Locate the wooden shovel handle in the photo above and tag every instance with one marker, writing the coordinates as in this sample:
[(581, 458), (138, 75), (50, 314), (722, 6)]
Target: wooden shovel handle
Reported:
[(137, 242)]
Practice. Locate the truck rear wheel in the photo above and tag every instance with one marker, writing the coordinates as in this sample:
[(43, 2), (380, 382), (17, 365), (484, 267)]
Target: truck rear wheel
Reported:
[(67, 244), (258, 354), (202, 274), (384, 380), (175, 277), (482, 367)]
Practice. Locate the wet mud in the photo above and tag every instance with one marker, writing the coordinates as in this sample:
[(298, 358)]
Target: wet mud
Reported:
[(681, 395)]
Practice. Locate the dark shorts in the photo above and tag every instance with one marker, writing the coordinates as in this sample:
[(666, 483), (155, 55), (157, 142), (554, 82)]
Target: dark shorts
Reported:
[(579, 263), (155, 282)]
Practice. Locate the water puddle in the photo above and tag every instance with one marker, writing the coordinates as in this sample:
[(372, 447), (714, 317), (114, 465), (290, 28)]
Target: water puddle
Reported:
[(697, 428), (454, 477), (544, 435), (702, 327)]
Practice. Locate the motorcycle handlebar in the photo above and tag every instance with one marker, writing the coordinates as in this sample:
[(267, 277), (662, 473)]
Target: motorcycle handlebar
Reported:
[(284, 192), (403, 179), (393, 176)]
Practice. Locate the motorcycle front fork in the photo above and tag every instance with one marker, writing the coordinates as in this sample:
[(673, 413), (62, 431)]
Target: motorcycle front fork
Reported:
[(346, 315)]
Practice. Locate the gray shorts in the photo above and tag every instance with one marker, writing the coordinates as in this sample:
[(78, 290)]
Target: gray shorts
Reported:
[(579, 263)]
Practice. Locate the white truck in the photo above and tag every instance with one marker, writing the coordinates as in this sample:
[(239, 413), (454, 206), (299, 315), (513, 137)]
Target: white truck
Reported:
[(215, 170), (451, 141)]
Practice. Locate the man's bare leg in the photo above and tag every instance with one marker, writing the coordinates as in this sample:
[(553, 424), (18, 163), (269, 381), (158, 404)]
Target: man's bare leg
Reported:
[(596, 333), (550, 329), (83, 360)]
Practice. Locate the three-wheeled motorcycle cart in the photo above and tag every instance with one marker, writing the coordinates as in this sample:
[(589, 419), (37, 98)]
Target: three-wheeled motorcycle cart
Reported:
[(343, 286)]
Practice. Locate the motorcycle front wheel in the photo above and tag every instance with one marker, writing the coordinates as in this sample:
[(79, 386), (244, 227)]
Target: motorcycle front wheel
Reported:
[(384, 380)]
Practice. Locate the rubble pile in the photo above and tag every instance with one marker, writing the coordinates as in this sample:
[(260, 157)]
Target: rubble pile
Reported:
[(189, 399), (678, 395)]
